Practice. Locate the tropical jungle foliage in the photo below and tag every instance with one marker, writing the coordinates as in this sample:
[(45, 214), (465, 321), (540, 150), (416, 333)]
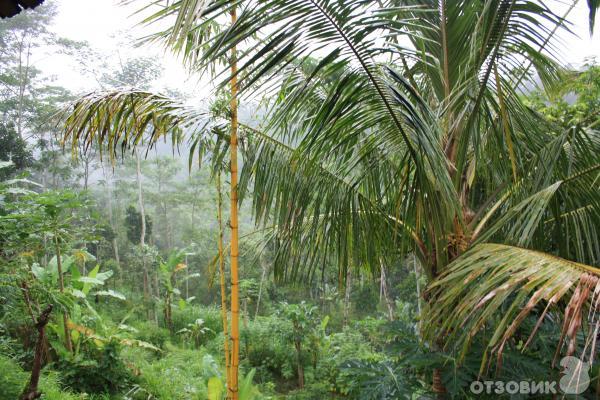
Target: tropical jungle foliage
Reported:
[(375, 200)]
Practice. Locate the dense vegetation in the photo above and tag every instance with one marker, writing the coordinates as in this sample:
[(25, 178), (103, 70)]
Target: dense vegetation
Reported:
[(418, 201)]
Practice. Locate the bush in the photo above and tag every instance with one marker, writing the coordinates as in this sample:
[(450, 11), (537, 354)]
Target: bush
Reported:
[(264, 343), (102, 371), (340, 349), (180, 375), (188, 315), (313, 391), (147, 331), (50, 387), (13, 380)]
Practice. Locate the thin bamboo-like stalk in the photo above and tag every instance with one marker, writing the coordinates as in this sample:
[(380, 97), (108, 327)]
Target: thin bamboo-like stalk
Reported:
[(143, 230), (235, 301), (223, 290), (61, 287)]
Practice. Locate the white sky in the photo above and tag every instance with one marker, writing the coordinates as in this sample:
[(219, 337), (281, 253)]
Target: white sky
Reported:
[(103, 22), (108, 26)]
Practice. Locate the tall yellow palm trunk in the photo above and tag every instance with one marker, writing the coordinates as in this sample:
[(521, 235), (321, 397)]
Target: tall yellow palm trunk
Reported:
[(235, 301), (223, 290)]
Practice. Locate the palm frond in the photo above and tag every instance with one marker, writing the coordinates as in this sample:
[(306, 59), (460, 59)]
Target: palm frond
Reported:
[(120, 120), (492, 288)]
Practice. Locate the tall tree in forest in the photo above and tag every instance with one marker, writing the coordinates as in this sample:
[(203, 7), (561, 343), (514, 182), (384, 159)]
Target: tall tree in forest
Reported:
[(163, 194), (108, 181), (13, 148), (133, 225), (21, 81), (143, 224), (222, 284), (233, 389)]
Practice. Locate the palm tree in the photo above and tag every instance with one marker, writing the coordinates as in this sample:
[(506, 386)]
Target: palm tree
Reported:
[(398, 128)]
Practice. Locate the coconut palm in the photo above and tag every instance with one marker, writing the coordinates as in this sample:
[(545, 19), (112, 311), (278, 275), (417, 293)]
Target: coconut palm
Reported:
[(398, 128)]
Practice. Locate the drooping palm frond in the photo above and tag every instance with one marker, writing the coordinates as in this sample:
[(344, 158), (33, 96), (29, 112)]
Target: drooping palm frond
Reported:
[(494, 287), (335, 131), (120, 120), (320, 214)]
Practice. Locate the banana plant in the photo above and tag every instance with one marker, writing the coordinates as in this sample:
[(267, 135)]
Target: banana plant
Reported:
[(167, 271), (195, 331), (99, 336), (79, 287), (247, 390)]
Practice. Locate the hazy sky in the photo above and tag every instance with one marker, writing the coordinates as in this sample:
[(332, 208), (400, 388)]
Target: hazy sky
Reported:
[(104, 23), (110, 27)]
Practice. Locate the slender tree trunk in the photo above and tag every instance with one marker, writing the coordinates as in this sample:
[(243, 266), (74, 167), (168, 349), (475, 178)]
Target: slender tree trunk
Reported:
[(187, 278), (417, 278), (156, 284), (235, 301), (45, 238), (28, 302), (115, 246), (31, 391), (143, 222), (222, 278), (111, 217), (45, 258), (61, 283), (347, 296), (168, 315), (23, 77), (141, 198), (260, 287), (300, 367), (385, 294), (438, 385), (21, 86), (154, 311)]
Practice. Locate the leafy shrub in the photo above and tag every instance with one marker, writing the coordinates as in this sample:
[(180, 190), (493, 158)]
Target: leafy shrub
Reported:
[(98, 370), (340, 349), (180, 375), (183, 317), (13, 380), (364, 300), (312, 391), (147, 331), (383, 380), (50, 386), (266, 348)]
